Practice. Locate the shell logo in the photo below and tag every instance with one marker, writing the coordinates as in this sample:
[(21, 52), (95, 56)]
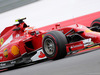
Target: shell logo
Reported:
[(88, 31), (14, 50), (1, 41), (5, 52)]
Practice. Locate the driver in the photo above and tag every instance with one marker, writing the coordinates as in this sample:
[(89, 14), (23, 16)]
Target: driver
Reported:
[(29, 29)]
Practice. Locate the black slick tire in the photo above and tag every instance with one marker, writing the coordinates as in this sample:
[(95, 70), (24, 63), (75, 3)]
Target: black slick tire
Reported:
[(57, 42)]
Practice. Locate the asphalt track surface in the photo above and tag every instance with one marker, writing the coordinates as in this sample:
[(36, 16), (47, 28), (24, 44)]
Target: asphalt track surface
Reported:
[(79, 64), (6, 5)]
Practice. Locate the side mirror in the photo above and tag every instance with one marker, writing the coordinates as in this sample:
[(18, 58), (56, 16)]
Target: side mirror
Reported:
[(79, 32), (16, 29)]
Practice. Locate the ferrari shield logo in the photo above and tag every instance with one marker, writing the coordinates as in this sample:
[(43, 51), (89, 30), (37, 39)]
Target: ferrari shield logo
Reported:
[(1, 41), (5, 52)]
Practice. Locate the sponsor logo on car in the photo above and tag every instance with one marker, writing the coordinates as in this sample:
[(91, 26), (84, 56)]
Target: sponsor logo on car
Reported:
[(88, 31), (7, 41), (5, 52), (15, 50), (42, 36), (74, 46), (2, 64), (1, 41), (13, 62), (42, 55), (92, 36)]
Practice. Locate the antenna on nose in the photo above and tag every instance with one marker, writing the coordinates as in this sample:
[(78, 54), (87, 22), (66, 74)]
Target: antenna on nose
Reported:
[(75, 21)]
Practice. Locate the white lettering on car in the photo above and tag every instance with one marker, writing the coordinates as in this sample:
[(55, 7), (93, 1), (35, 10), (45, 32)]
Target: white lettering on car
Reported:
[(92, 36), (74, 46)]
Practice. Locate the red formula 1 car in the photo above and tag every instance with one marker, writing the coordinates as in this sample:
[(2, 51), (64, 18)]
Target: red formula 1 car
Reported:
[(18, 43)]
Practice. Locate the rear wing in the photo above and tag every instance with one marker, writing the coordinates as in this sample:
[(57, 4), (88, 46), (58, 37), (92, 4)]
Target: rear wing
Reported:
[(6, 30), (12, 27), (10, 32), (6, 35)]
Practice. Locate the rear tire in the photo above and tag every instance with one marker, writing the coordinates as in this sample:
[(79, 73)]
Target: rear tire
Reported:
[(96, 22), (96, 25), (54, 45)]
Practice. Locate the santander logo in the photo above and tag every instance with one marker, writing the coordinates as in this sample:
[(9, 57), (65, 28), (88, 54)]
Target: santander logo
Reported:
[(74, 46)]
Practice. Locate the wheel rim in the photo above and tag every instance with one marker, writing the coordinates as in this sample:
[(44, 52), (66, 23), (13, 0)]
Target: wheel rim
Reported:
[(97, 26), (49, 46)]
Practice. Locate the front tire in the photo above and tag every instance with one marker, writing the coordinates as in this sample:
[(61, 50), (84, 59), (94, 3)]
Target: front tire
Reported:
[(54, 45)]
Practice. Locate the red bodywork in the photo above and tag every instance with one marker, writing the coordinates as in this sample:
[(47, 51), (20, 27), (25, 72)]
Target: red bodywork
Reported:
[(18, 41), (15, 42)]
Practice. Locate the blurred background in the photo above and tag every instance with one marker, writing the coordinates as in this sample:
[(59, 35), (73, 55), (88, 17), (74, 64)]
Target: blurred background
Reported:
[(40, 13), (6, 5), (44, 12)]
